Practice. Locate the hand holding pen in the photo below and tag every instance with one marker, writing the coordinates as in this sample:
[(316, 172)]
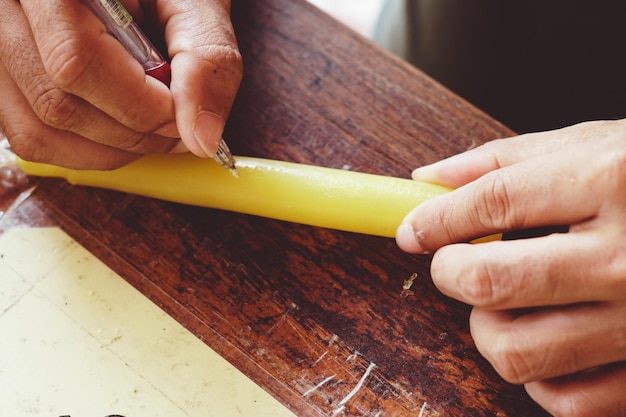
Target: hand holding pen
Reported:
[(73, 96), (122, 26)]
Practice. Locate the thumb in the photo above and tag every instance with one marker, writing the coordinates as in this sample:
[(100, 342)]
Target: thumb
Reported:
[(206, 70)]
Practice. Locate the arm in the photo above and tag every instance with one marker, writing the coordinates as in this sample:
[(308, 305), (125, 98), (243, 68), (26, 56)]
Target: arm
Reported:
[(549, 312)]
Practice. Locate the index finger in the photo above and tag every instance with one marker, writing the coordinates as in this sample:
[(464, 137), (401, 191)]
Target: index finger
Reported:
[(542, 191), (83, 59), (468, 166)]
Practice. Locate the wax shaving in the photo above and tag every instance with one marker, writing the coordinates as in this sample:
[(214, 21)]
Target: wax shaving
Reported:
[(406, 286)]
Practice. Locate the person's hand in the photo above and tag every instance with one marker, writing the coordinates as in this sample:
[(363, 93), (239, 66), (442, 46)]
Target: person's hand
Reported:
[(73, 96), (549, 312)]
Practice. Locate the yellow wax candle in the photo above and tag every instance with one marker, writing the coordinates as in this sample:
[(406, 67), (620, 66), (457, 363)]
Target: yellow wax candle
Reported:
[(316, 196)]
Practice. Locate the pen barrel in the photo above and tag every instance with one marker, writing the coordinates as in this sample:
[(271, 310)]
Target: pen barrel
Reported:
[(120, 24), (316, 196), (140, 47)]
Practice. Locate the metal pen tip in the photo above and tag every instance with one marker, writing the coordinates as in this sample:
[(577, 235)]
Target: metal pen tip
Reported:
[(225, 158)]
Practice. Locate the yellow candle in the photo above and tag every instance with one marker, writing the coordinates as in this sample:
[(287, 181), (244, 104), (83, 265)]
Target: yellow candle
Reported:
[(325, 197)]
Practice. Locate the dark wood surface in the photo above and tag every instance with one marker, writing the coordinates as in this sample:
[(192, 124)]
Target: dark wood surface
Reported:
[(307, 313)]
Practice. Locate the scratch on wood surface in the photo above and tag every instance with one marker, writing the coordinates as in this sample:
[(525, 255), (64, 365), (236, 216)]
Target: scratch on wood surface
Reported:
[(353, 356), (427, 411), (355, 390), (320, 358), (23, 196), (318, 386), (293, 307)]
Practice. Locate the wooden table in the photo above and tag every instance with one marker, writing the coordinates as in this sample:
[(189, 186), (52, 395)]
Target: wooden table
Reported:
[(314, 316)]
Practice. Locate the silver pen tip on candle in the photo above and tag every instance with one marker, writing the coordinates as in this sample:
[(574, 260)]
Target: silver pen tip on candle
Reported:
[(225, 158)]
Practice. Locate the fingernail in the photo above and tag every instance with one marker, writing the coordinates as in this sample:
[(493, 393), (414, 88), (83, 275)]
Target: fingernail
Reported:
[(409, 240), (169, 130), (425, 173), (208, 130)]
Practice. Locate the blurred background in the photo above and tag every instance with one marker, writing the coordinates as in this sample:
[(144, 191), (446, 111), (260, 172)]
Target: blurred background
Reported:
[(360, 15)]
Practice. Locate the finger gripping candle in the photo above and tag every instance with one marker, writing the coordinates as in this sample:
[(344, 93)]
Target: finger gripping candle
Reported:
[(316, 196)]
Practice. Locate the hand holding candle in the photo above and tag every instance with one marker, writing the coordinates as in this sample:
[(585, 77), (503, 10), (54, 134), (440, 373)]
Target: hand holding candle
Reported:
[(547, 310)]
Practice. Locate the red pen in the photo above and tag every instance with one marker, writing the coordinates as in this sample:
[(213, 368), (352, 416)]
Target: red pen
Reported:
[(122, 26)]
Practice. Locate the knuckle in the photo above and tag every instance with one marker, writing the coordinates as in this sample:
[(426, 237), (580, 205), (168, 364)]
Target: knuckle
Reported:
[(478, 288), (56, 108), (611, 169), (28, 146), (66, 62), (584, 131), (615, 170), (487, 284), (511, 354), (232, 57), (228, 59), (444, 225), (494, 208)]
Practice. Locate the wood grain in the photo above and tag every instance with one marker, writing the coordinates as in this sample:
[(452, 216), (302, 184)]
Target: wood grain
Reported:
[(314, 316)]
